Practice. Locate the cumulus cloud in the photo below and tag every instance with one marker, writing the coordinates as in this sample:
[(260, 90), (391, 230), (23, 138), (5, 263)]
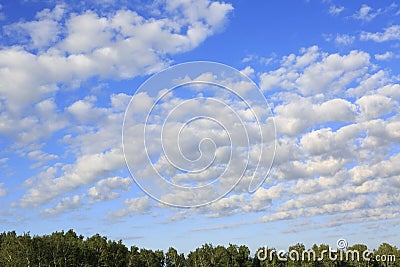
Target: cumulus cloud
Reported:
[(40, 33), (105, 189), (140, 205), (314, 72), (44, 119), (390, 33), (121, 44), (336, 116), (375, 106), (332, 150), (84, 110), (311, 162), (297, 116), (61, 48), (385, 56), (67, 204), (87, 169), (249, 71)]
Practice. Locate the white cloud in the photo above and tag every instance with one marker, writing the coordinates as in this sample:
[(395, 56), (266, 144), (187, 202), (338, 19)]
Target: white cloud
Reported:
[(105, 189), (321, 131), (391, 90), (307, 57), (44, 119), (119, 102), (319, 141), (366, 13), (85, 112), (67, 204), (62, 49), (97, 154), (380, 170), (41, 157), (212, 13), (180, 148), (390, 33), (375, 106), (344, 39), (87, 169), (343, 167), (385, 56), (140, 205), (333, 72), (335, 10), (369, 83), (226, 206), (331, 149), (42, 33), (349, 200), (249, 71), (297, 116), (314, 72), (121, 44), (83, 29)]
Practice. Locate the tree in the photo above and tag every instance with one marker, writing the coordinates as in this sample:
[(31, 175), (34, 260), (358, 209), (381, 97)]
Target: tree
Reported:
[(13, 252), (295, 255), (96, 247), (243, 259), (387, 255), (134, 257), (323, 255), (173, 259), (150, 258), (26, 247), (353, 255), (221, 256), (68, 249), (202, 257)]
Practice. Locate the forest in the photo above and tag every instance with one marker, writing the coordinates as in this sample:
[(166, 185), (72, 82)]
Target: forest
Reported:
[(70, 249)]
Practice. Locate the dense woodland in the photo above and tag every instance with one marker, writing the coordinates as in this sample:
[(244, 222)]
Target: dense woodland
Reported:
[(70, 249)]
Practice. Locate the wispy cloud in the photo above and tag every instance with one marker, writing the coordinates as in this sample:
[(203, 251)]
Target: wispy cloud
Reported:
[(366, 13), (344, 39), (389, 34), (335, 10), (3, 191)]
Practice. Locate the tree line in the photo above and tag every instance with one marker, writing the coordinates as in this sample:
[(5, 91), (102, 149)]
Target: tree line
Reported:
[(69, 249)]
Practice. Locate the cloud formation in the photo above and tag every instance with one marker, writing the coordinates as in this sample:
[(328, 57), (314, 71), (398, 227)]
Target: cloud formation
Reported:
[(336, 115), (388, 34), (58, 51)]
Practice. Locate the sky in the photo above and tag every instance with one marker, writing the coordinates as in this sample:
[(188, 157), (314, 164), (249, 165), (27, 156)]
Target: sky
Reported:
[(98, 102)]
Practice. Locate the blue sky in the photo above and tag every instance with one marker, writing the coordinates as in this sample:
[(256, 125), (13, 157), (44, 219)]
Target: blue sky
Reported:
[(328, 69)]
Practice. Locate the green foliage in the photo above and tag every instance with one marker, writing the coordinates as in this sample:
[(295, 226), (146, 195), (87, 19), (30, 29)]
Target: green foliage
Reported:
[(173, 259), (62, 249)]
